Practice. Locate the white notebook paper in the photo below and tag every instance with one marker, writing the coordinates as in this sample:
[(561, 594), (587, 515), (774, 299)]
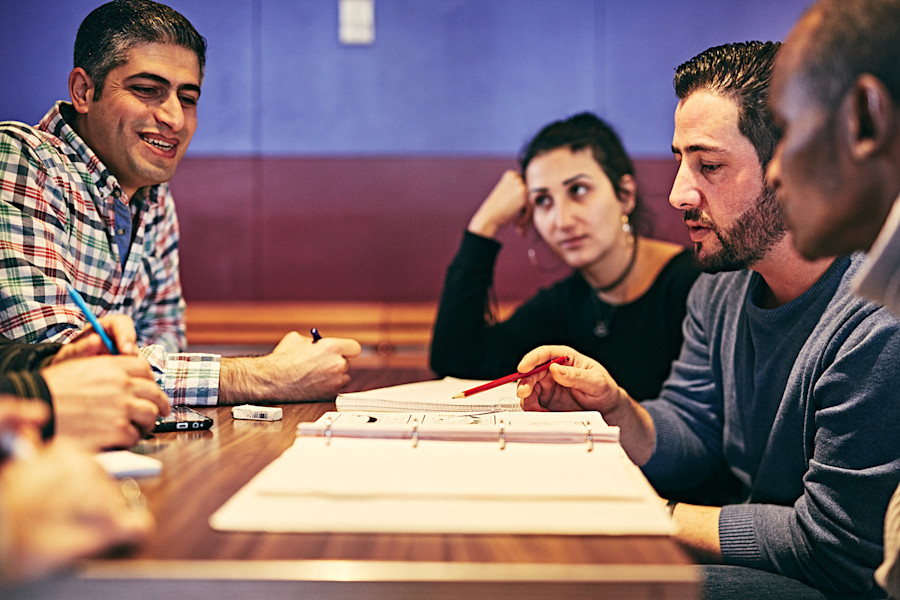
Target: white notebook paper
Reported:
[(432, 396), (376, 485)]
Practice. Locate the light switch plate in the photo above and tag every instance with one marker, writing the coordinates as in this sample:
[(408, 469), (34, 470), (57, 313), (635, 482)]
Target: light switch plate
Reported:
[(356, 22)]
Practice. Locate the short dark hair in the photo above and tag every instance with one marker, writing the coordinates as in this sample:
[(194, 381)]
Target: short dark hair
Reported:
[(852, 38), (587, 130), (741, 72), (110, 31)]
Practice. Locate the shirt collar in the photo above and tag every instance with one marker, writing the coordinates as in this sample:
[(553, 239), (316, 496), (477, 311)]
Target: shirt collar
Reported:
[(57, 122), (879, 277)]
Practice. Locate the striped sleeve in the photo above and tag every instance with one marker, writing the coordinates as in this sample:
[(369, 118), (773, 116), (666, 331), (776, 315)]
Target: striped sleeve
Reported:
[(187, 378)]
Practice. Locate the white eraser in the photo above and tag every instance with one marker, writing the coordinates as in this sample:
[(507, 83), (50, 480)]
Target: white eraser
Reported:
[(256, 413), (124, 463)]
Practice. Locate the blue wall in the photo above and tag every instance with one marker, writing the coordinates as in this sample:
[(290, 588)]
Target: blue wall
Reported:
[(444, 77)]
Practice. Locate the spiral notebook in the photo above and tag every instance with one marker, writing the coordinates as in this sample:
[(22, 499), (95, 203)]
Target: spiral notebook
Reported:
[(432, 396), (414, 482), (585, 427)]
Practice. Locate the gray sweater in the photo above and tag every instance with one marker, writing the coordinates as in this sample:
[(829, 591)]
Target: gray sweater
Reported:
[(801, 404)]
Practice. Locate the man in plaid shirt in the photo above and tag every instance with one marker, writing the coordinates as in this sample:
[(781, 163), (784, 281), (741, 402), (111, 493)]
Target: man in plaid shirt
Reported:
[(84, 201)]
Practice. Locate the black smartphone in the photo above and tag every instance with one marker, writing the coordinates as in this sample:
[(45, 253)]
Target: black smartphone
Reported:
[(182, 418)]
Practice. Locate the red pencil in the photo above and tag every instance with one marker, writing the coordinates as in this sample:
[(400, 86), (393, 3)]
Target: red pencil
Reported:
[(514, 377)]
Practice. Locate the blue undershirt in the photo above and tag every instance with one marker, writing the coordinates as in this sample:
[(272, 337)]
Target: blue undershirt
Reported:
[(123, 230)]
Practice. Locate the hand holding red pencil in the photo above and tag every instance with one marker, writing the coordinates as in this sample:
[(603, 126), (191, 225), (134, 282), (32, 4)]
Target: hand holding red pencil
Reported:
[(584, 384), (508, 378), (581, 384)]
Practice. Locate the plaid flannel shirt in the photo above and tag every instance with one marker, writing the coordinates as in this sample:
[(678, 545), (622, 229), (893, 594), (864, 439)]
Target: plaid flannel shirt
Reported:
[(57, 216)]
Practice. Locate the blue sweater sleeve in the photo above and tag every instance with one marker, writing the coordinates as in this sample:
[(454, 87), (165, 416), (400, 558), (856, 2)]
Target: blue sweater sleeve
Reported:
[(815, 505), (688, 417), (832, 535)]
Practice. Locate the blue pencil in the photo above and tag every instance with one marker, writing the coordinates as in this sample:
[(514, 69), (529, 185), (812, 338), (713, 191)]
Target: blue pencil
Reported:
[(92, 319)]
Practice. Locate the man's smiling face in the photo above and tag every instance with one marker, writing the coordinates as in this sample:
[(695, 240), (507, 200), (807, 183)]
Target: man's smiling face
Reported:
[(143, 121)]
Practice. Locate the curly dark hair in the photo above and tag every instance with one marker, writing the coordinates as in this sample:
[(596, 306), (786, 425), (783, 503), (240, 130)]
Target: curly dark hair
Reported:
[(741, 72)]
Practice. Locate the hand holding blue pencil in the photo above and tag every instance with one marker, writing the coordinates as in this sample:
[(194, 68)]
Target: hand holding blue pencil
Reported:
[(92, 320)]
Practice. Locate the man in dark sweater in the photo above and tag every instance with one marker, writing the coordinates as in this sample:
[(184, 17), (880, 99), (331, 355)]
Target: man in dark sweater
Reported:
[(836, 95), (785, 377)]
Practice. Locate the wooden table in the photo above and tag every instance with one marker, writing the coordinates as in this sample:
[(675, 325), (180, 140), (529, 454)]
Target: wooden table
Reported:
[(187, 559)]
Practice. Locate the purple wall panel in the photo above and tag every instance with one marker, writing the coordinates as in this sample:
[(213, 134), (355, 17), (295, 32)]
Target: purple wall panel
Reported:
[(368, 229), (329, 172), (462, 77), (217, 205)]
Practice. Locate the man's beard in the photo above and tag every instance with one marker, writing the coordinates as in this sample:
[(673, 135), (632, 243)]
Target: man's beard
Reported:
[(747, 241)]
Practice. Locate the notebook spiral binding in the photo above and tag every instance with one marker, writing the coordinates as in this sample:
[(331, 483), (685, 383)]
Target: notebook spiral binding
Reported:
[(501, 434)]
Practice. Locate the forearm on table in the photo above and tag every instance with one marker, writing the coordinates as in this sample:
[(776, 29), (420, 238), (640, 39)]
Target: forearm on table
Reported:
[(244, 379)]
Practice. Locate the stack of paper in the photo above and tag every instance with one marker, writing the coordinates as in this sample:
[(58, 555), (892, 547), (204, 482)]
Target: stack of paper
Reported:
[(389, 486), (536, 473)]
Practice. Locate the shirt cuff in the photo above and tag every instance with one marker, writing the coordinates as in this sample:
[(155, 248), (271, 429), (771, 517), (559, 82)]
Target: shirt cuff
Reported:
[(187, 378), (737, 536)]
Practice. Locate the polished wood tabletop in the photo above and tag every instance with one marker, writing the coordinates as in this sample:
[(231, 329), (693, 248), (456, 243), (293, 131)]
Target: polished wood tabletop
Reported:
[(203, 469)]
